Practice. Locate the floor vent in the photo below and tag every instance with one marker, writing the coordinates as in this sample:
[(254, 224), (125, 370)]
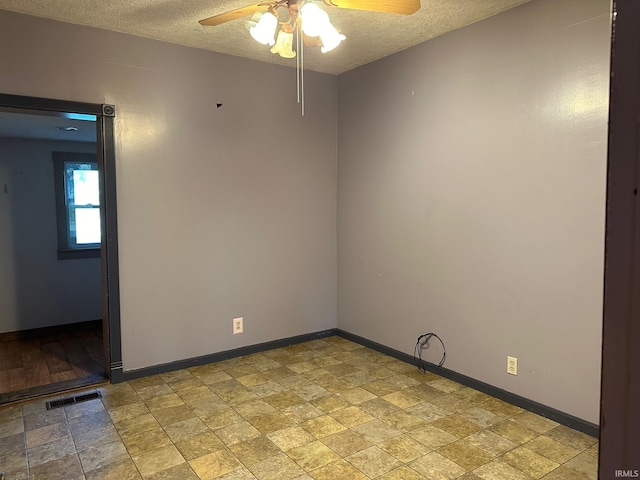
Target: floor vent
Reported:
[(71, 400)]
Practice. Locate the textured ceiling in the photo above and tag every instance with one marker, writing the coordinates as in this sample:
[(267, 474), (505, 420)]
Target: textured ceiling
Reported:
[(370, 35)]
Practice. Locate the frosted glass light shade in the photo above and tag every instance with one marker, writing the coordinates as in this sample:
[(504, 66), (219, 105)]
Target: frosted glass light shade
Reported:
[(284, 45), (330, 38), (264, 31), (314, 19)]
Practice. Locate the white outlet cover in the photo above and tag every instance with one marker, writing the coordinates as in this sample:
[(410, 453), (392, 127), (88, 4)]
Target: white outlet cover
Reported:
[(512, 365), (238, 325)]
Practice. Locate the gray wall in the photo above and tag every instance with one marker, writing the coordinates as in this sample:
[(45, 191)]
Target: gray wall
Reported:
[(471, 194), (37, 289), (221, 212)]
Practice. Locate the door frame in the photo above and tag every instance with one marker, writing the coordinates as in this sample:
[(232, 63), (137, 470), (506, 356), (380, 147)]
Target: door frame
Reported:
[(105, 115), (620, 387)]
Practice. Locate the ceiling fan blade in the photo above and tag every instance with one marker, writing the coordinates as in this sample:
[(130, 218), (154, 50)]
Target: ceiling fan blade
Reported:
[(234, 14), (404, 7)]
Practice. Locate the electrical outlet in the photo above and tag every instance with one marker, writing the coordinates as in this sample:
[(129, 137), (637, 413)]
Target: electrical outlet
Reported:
[(512, 365), (238, 326)]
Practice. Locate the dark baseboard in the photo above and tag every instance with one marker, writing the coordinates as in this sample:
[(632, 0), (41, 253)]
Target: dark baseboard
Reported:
[(535, 407), (226, 355)]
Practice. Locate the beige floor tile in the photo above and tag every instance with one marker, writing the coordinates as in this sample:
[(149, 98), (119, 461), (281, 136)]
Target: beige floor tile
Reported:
[(11, 427), (551, 449), (185, 384), (194, 394), (346, 443), (137, 425), (271, 422), (254, 408), (402, 473), (95, 437), (498, 470), (171, 415), (291, 437), (185, 429), (571, 438), (215, 464), (221, 418), (280, 467), (356, 395), (237, 433), (471, 395), (456, 425), (50, 433), (313, 455), (125, 470), (585, 464), (51, 451), (14, 465), (427, 411), (466, 455), (323, 426), (199, 445), (403, 421), (148, 392), (303, 412), (340, 470), (154, 461), (481, 417), (373, 461), (139, 443), (563, 473), (102, 455), (434, 466), (500, 408), (379, 407), (255, 451), (310, 392), (432, 437), (282, 400), (529, 462), (351, 416), (404, 448), (402, 399), (41, 419), (128, 411), (513, 431), (535, 422), (330, 403), (491, 442), (379, 387), (376, 431), (63, 468), (8, 412)]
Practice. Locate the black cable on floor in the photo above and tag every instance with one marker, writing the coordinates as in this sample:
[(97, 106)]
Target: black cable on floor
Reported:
[(423, 344)]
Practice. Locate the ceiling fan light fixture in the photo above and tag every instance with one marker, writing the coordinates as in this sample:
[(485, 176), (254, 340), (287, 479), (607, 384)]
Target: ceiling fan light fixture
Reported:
[(314, 19), (263, 32), (284, 45), (330, 38)]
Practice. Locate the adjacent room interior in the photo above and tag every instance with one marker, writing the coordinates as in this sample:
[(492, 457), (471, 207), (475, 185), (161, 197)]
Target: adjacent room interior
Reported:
[(457, 186), (51, 308)]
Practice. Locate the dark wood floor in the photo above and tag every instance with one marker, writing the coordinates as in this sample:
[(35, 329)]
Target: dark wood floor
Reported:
[(39, 358)]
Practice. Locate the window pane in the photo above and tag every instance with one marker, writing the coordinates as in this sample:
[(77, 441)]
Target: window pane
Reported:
[(87, 225), (85, 187)]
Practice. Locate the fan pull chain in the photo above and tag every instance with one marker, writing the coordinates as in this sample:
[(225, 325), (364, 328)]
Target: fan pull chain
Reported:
[(297, 63), (302, 74)]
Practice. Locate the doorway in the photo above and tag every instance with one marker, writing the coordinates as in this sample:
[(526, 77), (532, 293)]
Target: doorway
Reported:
[(61, 314)]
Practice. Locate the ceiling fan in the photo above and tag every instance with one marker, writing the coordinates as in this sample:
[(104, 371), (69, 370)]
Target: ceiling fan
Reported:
[(312, 20)]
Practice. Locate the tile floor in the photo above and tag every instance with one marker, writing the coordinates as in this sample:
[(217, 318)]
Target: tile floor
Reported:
[(328, 409)]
